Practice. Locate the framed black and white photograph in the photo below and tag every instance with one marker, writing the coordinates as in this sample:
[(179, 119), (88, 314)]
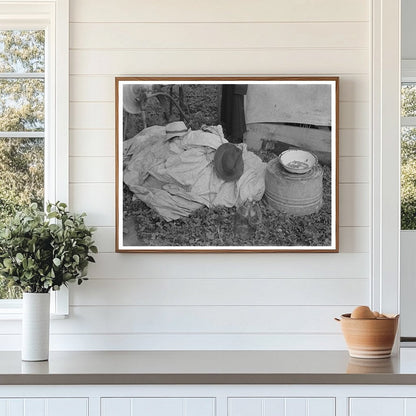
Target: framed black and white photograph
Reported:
[(230, 164)]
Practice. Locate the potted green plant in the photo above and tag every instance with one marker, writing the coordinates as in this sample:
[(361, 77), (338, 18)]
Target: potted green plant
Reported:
[(40, 252)]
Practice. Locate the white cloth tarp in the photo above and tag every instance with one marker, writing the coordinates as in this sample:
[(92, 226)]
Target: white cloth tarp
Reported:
[(175, 177)]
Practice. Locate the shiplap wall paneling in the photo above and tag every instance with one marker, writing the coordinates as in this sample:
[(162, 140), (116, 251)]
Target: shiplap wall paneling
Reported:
[(91, 88), (239, 35), (297, 61), (214, 301), (217, 11), (220, 291), (176, 320), (234, 266)]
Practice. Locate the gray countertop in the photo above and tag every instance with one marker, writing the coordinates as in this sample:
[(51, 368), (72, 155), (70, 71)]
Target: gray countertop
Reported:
[(208, 367)]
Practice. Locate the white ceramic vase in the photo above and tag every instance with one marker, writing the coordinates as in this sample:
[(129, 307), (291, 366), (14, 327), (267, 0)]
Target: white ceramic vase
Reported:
[(35, 326)]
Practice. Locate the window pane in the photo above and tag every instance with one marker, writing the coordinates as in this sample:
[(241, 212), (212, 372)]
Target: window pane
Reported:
[(9, 292), (408, 178), (21, 109), (408, 105), (21, 173), (22, 104), (21, 182), (22, 51), (408, 145)]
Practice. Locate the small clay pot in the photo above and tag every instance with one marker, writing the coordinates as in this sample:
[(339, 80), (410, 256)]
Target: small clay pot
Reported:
[(369, 338)]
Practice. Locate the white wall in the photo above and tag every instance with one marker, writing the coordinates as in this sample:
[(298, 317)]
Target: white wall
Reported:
[(408, 29), (181, 301)]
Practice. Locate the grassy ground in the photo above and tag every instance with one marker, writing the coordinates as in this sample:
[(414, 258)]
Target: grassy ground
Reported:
[(216, 227)]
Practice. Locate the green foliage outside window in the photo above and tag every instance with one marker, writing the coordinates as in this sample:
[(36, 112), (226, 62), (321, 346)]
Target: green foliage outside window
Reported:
[(408, 160), (21, 110), (408, 179)]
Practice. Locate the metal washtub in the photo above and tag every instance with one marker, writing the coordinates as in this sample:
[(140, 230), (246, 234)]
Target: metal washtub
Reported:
[(295, 194)]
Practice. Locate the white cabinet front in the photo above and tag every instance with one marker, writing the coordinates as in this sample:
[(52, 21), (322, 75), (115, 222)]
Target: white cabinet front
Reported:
[(270, 406), (382, 406), (160, 406), (44, 407)]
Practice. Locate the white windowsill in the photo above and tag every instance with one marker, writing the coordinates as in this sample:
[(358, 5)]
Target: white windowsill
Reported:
[(11, 309), (10, 315)]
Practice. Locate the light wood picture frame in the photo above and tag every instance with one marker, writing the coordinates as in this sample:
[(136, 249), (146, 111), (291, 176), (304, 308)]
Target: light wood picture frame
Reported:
[(227, 164)]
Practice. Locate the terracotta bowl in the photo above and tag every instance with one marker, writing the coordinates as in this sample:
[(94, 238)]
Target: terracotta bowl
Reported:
[(369, 338)]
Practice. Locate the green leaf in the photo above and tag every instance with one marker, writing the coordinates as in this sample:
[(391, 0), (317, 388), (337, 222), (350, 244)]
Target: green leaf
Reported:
[(7, 262), (69, 223), (37, 255)]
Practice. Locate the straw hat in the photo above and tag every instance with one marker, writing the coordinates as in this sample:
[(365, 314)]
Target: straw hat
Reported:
[(176, 128), (228, 162)]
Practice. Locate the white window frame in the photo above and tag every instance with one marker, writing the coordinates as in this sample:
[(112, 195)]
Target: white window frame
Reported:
[(385, 150), (408, 237), (53, 17)]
